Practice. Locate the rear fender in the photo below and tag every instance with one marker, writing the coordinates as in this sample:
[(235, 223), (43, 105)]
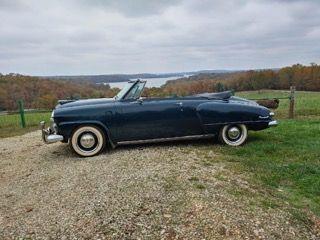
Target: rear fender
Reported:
[(214, 115)]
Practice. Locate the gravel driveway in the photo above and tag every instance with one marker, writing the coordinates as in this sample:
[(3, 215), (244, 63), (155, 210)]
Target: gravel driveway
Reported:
[(164, 191)]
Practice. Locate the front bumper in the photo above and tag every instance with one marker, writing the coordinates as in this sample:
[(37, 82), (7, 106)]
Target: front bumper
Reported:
[(273, 123), (48, 136)]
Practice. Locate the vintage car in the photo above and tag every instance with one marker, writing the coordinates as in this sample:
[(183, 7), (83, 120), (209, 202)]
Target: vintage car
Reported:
[(89, 125)]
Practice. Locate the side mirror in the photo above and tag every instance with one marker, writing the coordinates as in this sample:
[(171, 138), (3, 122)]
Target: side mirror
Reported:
[(140, 100)]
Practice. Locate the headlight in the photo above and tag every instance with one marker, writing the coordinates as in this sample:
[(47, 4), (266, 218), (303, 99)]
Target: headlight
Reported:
[(53, 125), (271, 114)]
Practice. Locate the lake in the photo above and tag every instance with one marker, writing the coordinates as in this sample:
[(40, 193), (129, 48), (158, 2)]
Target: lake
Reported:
[(151, 82)]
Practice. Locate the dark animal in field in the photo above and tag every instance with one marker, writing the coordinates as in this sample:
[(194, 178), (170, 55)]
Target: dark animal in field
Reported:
[(269, 103)]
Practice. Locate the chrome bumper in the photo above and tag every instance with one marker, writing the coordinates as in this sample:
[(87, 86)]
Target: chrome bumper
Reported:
[(273, 123), (48, 136)]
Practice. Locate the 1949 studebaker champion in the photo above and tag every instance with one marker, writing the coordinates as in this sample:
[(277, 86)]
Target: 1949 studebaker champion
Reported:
[(88, 125)]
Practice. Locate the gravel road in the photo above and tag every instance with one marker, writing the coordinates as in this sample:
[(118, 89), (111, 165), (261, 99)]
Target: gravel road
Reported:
[(160, 191)]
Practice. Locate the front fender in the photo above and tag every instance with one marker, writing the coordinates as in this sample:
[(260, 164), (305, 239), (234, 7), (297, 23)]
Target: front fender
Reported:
[(66, 128)]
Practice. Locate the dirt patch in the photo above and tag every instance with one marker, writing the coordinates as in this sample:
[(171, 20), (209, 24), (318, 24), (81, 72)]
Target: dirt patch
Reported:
[(163, 191)]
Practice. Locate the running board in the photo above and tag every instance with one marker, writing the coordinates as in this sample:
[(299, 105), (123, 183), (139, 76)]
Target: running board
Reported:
[(156, 140)]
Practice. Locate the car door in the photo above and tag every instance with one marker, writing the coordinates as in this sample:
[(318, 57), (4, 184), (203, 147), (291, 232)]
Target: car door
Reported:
[(190, 123), (149, 119)]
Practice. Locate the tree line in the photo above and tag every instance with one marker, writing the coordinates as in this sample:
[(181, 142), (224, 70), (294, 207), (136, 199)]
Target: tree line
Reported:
[(40, 93)]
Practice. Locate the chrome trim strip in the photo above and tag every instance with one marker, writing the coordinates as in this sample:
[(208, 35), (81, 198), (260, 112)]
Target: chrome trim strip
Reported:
[(242, 122), (264, 117), (273, 123), (166, 139)]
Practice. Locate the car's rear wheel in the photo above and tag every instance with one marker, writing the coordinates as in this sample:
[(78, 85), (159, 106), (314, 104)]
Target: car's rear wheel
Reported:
[(88, 141), (234, 134)]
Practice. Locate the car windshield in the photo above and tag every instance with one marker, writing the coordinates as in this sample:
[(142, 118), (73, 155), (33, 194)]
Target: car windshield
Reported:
[(129, 92), (124, 90), (135, 91)]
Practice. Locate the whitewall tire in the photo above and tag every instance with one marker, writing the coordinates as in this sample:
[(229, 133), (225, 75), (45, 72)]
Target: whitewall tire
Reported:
[(88, 141), (234, 134)]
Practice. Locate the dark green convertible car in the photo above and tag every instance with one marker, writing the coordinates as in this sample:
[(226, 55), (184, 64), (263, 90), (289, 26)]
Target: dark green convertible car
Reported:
[(89, 125)]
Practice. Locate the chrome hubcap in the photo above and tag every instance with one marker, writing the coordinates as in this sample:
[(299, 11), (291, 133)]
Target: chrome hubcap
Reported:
[(233, 133), (87, 140)]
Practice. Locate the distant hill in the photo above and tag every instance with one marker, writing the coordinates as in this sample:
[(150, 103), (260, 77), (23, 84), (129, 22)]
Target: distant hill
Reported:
[(206, 74), (110, 78), (304, 78)]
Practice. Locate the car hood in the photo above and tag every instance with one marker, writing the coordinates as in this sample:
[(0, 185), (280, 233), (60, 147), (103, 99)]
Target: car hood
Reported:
[(83, 102)]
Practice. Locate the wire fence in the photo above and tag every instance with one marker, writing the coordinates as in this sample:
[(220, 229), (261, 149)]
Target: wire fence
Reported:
[(256, 99), (273, 102)]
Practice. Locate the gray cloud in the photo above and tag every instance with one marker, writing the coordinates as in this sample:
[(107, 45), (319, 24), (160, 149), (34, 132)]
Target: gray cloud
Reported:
[(11, 5), (136, 8), (95, 37)]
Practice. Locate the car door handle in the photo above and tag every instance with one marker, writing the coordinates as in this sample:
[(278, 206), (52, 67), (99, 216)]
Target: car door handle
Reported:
[(179, 103)]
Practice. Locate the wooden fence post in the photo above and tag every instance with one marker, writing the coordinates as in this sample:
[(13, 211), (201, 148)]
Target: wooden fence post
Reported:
[(21, 111), (291, 104)]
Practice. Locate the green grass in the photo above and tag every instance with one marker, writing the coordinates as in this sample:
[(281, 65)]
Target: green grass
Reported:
[(10, 125), (285, 159)]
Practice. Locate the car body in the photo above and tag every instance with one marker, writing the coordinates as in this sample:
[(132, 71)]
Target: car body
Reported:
[(128, 118)]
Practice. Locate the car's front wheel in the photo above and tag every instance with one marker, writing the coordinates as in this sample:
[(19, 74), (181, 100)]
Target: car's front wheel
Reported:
[(88, 141), (234, 134)]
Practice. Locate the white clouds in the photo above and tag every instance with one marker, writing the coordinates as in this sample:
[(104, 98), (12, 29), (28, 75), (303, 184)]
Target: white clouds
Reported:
[(94, 37)]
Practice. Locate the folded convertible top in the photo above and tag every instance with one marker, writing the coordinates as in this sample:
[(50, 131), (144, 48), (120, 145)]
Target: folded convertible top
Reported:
[(220, 95), (61, 102)]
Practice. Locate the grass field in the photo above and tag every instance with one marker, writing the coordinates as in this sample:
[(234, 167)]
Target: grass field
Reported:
[(10, 125)]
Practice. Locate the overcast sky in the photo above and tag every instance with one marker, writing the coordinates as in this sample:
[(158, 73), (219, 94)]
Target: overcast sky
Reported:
[(60, 37)]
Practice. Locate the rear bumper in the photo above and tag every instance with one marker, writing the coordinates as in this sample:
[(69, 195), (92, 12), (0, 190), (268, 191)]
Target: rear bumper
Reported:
[(48, 136), (273, 123)]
